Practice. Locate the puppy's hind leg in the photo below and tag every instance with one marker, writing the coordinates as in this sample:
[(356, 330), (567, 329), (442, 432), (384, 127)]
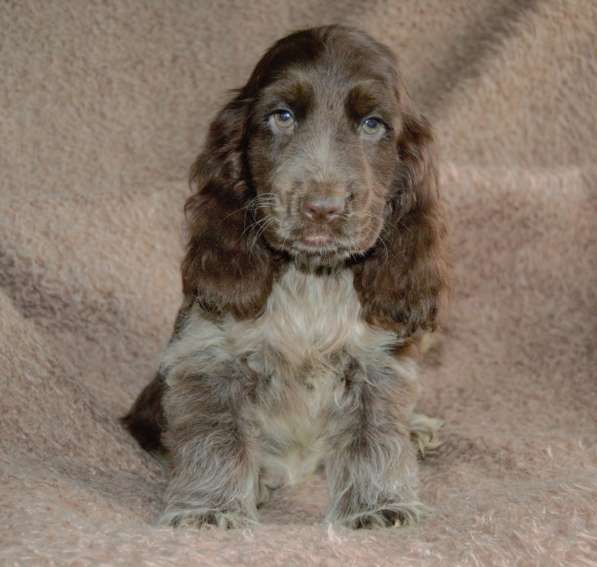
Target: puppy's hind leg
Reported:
[(424, 432), (145, 420)]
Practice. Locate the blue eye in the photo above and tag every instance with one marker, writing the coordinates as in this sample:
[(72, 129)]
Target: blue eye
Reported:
[(282, 119), (284, 115), (372, 125)]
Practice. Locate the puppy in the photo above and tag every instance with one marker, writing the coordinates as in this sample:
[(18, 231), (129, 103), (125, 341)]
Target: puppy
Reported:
[(314, 268)]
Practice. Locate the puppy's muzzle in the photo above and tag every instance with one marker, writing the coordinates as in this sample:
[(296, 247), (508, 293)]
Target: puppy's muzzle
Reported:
[(323, 209)]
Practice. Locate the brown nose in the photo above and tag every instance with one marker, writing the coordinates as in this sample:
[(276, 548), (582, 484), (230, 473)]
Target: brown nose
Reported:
[(323, 209)]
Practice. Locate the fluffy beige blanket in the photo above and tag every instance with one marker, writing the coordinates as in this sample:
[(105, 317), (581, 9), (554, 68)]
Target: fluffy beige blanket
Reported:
[(103, 106)]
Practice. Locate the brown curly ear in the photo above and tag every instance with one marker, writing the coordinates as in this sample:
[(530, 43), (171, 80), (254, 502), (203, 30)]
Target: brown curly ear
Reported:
[(227, 268), (401, 281)]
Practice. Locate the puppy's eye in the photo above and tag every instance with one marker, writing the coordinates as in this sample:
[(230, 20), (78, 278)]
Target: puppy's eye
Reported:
[(372, 126), (282, 120)]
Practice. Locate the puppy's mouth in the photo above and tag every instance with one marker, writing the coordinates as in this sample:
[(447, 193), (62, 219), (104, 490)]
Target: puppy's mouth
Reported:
[(317, 244), (312, 241), (317, 241)]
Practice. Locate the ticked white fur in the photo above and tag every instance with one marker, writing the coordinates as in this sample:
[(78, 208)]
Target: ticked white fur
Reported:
[(310, 326)]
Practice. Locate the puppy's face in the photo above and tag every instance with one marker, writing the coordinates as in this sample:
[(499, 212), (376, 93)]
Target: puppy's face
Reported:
[(321, 159), (322, 147)]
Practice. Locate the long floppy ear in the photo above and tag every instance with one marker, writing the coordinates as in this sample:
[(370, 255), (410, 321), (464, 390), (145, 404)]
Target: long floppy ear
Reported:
[(400, 282), (227, 268)]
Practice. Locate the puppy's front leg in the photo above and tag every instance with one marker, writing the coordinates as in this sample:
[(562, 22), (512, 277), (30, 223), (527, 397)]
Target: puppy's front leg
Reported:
[(214, 474), (371, 466)]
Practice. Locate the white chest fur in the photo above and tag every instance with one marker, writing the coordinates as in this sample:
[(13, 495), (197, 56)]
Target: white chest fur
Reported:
[(307, 317), (299, 348)]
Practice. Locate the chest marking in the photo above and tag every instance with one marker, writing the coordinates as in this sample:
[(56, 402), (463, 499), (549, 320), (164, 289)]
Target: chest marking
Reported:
[(299, 349)]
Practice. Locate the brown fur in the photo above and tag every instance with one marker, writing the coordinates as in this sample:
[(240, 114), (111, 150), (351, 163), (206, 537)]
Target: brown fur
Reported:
[(402, 281), (247, 364), (230, 264), (145, 420)]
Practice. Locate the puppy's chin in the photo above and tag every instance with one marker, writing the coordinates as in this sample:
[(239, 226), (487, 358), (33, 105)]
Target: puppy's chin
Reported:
[(311, 252), (329, 254), (322, 248), (318, 254)]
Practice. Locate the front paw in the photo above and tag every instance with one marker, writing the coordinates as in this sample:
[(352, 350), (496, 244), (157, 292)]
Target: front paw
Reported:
[(388, 515), (200, 519)]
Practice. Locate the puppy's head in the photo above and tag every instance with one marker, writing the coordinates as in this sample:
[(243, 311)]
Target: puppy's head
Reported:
[(322, 139), (320, 157)]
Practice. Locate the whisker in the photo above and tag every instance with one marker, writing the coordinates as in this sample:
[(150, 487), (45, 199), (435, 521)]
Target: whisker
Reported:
[(260, 201), (265, 226), (362, 216), (261, 229), (255, 224)]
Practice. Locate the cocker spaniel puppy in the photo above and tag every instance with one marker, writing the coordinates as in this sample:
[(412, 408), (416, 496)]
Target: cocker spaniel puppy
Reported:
[(313, 269)]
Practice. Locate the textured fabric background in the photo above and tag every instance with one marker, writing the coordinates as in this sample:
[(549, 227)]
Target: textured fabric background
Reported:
[(103, 106)]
